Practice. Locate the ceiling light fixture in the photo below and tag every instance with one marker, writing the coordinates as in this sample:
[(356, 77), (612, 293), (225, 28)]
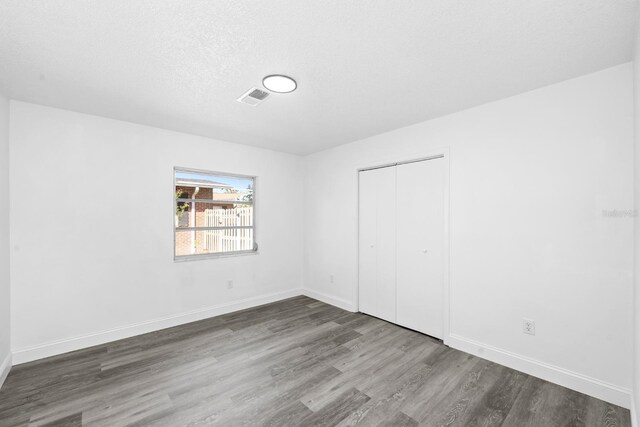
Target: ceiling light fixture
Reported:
[(279, 83)]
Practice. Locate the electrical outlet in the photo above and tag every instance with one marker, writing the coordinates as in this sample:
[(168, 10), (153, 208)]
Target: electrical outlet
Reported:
[(229, 284), (331, 278), (529, 326)]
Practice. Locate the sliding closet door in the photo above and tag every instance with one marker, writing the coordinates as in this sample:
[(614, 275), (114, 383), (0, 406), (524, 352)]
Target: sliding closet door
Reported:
[(377, 243), (420, 246)]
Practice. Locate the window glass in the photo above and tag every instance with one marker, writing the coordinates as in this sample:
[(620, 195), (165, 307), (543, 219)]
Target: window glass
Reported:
[(214, 213)]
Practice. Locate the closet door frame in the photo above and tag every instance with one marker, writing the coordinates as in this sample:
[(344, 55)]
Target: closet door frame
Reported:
[(426, 155)]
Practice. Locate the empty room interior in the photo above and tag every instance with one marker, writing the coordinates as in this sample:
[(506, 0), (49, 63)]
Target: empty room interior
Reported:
[(319, 213)]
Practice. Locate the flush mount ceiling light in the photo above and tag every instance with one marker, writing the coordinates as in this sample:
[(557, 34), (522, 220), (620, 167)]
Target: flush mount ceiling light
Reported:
[(279, 83)]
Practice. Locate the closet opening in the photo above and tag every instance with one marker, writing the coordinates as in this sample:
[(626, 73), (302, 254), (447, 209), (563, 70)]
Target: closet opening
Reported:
[(403, 243)]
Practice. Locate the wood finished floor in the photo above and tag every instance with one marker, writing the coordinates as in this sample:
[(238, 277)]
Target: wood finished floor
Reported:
[(295, 362)]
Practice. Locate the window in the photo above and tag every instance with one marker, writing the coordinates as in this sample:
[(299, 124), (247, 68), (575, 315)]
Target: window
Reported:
[(214, 214)]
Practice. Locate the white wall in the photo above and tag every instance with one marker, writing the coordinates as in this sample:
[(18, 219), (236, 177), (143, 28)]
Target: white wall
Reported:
[(5, 317), (636, 335), (530, 178), (92, 224)]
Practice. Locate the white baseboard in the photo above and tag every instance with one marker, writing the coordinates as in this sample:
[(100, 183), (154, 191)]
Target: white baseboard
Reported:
[(5, 367), (29, 354), (564, 377), (338, 302)]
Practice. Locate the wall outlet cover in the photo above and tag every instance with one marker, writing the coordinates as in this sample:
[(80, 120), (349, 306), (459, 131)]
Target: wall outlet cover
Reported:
[(529, 326)]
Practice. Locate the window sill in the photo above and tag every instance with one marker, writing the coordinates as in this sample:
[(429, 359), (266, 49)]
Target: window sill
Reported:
[(186, 258)]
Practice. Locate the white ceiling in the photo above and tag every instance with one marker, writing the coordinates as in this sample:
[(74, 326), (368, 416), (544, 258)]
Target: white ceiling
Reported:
[(363, 67)]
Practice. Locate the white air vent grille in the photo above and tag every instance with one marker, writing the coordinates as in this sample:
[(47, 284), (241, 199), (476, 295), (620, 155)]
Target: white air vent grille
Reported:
[(253, 97)]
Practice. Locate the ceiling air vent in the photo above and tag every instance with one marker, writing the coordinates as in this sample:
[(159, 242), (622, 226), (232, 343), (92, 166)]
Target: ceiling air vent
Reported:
[(253, 97)]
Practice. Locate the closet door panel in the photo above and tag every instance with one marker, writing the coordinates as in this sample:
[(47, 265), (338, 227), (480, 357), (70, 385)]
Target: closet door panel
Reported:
[(386, 230), (377, 243), (420, 246), (367, 252)]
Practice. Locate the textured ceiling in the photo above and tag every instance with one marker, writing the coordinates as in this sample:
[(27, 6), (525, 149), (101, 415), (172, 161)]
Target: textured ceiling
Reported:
[(363, 67)]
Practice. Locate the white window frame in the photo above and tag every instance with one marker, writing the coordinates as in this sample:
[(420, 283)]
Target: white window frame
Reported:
[(194, 257)]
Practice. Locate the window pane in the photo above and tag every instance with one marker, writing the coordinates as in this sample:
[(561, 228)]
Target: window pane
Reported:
[(213, 200), (198, 242), (200, 185)]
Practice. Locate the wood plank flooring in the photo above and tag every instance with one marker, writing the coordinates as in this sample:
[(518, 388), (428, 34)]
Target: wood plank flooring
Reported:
[(296, 362)]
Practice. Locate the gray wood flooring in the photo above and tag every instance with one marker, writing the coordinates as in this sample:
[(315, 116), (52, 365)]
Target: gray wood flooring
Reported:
[(296, 362)]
